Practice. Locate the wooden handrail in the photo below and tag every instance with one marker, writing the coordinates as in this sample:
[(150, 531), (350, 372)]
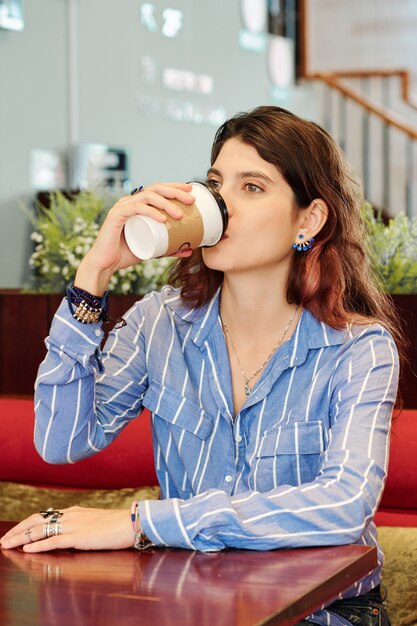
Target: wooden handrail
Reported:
[(306, 73), (380, 111), (402, 74)]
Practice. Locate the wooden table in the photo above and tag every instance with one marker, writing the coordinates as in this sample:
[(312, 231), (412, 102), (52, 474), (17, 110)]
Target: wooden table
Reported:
[(170, 587)]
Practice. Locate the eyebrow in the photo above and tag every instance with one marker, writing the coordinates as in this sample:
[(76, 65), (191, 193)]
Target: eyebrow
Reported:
[(252, 174)]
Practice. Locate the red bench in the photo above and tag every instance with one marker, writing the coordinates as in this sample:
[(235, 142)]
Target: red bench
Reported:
[(399, 501), (128, 461)]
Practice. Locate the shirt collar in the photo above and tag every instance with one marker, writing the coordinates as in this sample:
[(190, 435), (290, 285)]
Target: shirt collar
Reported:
[(202, 319), (309, 334), (312, 334)]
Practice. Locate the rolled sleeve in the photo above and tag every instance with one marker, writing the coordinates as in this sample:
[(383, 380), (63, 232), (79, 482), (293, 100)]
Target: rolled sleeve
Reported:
[(80, 342), (162, 523)]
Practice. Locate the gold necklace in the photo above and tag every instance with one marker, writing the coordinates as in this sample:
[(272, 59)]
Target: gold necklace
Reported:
[(247, 379)]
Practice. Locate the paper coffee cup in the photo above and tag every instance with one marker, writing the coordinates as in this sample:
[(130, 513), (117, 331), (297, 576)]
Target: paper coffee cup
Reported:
[(203, 224)]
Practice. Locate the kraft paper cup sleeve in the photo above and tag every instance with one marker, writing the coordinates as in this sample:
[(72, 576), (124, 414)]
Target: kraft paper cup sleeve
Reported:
[(186, 233)]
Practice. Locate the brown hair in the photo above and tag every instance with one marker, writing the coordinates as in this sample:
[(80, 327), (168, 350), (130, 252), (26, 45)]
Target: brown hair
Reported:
[(334, 280)]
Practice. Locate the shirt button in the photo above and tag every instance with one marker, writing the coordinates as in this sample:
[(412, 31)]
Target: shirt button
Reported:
[(238, 438), (97, 332), (229, 478)]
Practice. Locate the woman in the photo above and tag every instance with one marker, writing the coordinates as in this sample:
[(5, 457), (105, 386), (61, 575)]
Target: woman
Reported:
[(271, 372)]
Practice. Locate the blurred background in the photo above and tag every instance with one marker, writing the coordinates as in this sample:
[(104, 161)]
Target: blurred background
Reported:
[(99, 96), (103, 93)]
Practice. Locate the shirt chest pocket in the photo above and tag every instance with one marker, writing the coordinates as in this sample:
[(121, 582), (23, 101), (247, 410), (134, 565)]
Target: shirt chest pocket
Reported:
[(177, 412), (289, 454)]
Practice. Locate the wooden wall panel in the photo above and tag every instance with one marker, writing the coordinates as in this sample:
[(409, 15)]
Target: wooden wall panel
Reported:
[(25, 320), (24, 323)]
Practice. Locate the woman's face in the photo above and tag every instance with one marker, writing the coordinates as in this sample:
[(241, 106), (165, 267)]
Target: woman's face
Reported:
[(263, 223)]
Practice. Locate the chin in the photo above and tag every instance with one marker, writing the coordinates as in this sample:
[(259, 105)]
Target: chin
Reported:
[(215, 259)]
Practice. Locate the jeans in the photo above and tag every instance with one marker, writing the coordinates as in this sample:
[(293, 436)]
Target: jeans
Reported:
[(367, 609)]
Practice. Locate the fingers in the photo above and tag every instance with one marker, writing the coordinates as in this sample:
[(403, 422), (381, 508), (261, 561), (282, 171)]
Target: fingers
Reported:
[(154, 201), (33, 530), (180, 191), (34, 538), (110, 251), (80, 528), (46, 545), (19, 529), (23, 536)]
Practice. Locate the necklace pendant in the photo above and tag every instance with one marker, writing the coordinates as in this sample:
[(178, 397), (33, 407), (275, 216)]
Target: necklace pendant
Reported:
[(247, 390)]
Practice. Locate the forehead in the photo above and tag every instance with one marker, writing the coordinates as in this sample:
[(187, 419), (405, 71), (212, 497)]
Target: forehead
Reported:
[(235, 156)]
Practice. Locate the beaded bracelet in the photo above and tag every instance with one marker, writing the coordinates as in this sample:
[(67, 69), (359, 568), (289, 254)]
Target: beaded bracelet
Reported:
[(141, 541), (87, 314), (89, 309)]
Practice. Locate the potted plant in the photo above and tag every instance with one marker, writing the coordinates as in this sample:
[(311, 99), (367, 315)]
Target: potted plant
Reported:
[(65, 231), (394, 250), (393, 246), (62, 234)]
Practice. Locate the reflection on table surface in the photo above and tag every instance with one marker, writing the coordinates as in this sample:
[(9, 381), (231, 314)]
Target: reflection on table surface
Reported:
[(164, 586)]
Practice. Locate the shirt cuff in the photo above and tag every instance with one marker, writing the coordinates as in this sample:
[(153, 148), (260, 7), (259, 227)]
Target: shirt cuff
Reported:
[(162, 524), (79, 341), (66, 329)]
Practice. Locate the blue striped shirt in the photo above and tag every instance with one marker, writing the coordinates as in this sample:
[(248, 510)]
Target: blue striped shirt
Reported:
[(302, 464)]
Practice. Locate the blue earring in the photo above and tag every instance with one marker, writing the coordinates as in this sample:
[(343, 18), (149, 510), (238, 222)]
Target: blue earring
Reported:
[(305, 245)]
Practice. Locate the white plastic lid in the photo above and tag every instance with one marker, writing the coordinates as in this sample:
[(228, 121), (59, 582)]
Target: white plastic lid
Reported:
[(210, 214)]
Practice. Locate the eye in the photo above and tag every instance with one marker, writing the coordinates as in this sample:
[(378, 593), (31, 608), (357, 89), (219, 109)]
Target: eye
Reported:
[(214, 184), (252, 188)]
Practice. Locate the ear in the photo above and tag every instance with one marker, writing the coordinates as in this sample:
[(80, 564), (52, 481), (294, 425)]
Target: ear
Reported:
[(312, 219)]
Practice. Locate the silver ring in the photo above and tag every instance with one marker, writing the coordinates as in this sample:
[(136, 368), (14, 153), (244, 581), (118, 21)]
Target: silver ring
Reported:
[(51, 529), (28, 532)]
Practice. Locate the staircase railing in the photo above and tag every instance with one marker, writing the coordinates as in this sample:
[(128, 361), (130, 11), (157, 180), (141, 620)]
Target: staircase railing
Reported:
[(380, 142), (385, 143), (385, 75)]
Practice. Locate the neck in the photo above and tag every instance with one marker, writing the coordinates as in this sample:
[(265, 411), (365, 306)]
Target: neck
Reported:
[(252, 301), (256, 320)]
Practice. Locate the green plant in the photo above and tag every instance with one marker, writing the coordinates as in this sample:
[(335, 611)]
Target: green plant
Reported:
[(63, 234), (393, 248)]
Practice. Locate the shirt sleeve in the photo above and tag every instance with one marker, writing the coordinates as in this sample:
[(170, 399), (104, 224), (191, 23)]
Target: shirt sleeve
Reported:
[(80, 405), (336, 507)]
